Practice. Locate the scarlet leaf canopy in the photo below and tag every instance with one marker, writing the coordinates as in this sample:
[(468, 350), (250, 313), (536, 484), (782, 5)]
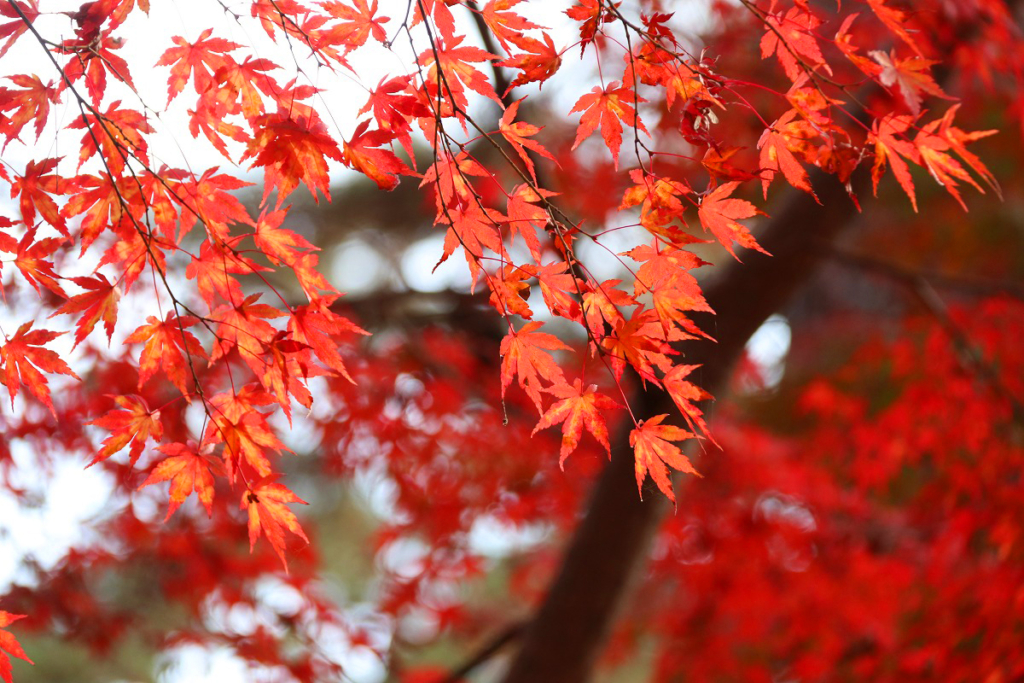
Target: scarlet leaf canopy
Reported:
[(619, 181)]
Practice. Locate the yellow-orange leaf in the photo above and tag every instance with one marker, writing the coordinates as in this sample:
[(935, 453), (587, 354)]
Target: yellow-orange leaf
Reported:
[(134, 423), (653, 451), (187, 471), (576, 410), (268, 515)]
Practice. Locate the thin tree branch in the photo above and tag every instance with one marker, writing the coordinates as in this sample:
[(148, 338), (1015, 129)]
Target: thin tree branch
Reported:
[(483, 655)]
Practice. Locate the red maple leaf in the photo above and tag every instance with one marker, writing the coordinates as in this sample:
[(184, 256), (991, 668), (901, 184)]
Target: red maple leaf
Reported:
[(896, 20), (188, 471), (8, 645), (243, 326), (268, 515), (592, 13), (22, 355), (318, 326), (241, 85), (213, 267), (653, 451), (102, 202), (135, 423), (578, 408), (209, 199), (455, 63), (792, 40), (393, 105), (526, 216), (94, 57), (12, 30)]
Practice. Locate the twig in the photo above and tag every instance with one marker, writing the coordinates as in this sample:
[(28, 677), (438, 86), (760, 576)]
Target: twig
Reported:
[(492, 647)]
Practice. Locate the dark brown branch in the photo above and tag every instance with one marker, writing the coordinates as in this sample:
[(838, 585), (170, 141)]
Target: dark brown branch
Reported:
[(965, 284), (484, 654)]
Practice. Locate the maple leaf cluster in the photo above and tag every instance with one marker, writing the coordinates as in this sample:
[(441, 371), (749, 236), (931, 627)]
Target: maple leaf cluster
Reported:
[(845, 91)]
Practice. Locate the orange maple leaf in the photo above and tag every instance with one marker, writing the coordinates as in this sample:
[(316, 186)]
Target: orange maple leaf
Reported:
[(719, 213), (187, 471), (202, 59), (576, 410), (685, 395), (525, 353), (653, 451), (245, 438), (32, 263), (98, 302), (30, 104), (134, 423), (280, 245), (8, 645), (365, 153), (641, 342), (936, 140), (119, 134), (268, 515), (537, 64), (891, 146), (165, 340), (776, 154), (507, 27), (357, 23), (517, 133), (909, 76), (607, 107), (22, 355), (34, 188), (292, 146)]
